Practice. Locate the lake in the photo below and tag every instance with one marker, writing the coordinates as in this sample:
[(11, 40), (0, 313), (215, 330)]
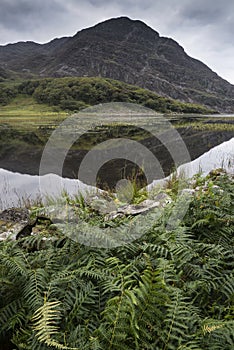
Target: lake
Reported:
[(16, 189), (172, 140), (104, 144)]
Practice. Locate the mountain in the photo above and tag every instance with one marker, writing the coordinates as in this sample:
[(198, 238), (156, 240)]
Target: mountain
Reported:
[(126, 50), (3, 74)]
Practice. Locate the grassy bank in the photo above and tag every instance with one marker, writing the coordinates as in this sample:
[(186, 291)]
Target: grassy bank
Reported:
[(26, 114)]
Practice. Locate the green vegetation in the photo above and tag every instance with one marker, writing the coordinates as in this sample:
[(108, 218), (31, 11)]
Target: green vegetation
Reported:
[(7, 93), (169, 290), (24, 113), (74, 94), (209, 124), (26, 105)]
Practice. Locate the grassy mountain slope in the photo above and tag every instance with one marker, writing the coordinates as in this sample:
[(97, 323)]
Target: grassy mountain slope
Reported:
[(77, 93)]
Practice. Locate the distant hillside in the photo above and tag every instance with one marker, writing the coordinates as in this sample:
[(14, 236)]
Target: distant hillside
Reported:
[(3, 74), (124, 50), (73, 94)]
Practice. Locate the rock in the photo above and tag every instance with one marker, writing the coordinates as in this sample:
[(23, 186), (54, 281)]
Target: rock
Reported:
[(160, 201), (187, 191), (15, 223), (60, 213), (217, 172), (15, 214), (10, 231), (12, 221), (27, 229), (162, 198), (217, 189), (138, 208), (102, 203), (113, 215)]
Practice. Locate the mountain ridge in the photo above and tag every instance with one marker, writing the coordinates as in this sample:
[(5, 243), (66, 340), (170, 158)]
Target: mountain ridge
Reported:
[(126, 50)]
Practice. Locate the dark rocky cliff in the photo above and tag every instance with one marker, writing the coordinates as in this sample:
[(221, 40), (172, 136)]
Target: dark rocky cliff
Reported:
[(126, 50)]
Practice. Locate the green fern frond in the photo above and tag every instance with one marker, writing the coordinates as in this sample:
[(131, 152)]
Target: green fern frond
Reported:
[(44, 320), (12, 314), (44, 324), (35, 287), (181, 321)]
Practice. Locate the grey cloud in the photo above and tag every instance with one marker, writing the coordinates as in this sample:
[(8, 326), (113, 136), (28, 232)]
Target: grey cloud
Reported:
[(199, 12), (217, 15), (24, 14), (206, 11)]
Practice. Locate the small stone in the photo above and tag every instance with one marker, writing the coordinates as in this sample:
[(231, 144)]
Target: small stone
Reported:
[(187, 191), (113, 215), (163, 198), (102, 203), (15, 214)]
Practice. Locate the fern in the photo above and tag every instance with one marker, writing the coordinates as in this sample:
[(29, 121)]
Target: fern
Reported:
[(169, 289), (44, 323), (181, 321)]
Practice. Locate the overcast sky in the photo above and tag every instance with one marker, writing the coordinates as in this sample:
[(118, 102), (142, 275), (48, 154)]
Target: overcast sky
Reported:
[(205, 28)]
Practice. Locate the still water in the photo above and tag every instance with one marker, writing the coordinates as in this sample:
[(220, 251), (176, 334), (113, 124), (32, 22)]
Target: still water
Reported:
[(16, 189)]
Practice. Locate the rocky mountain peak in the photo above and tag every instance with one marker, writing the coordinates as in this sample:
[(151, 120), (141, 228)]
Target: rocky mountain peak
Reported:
[(126, 50), (124, 24)]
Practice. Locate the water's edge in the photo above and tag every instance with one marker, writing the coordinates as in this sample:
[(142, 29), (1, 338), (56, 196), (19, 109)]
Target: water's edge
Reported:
[(17, 189)]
